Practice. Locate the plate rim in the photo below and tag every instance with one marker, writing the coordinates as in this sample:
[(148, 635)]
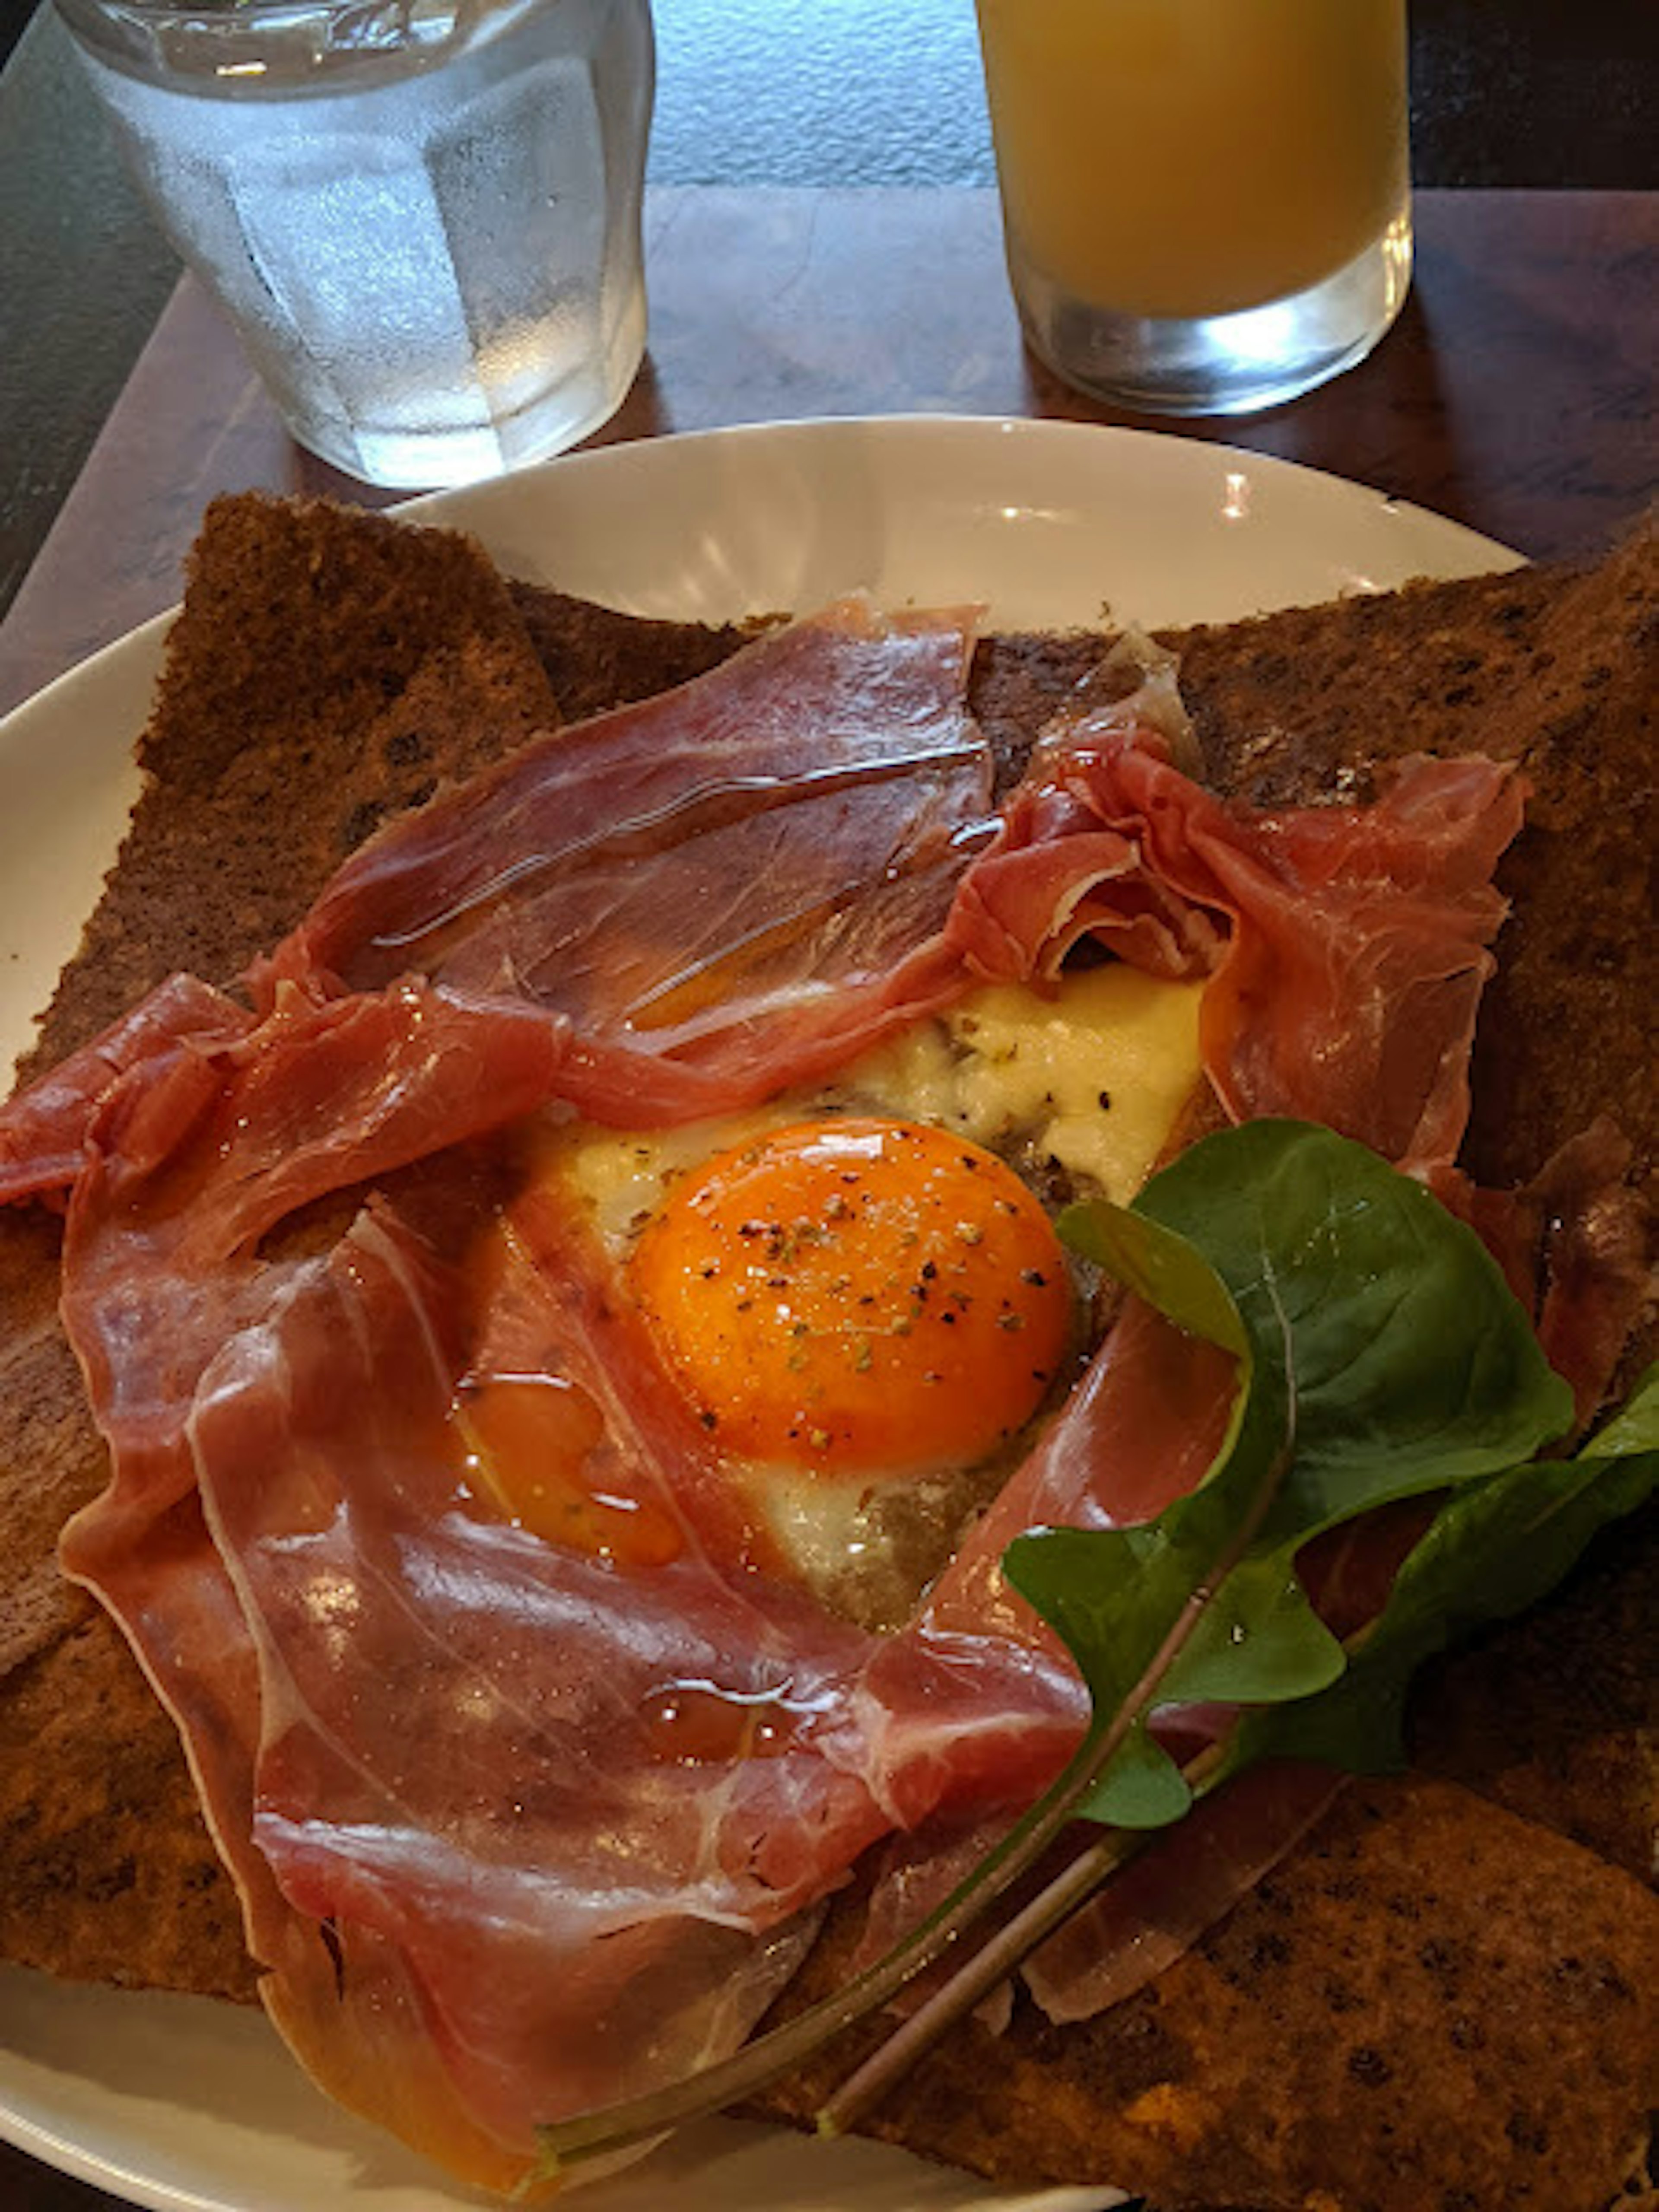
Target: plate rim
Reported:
[(930, 422), (438, 507)]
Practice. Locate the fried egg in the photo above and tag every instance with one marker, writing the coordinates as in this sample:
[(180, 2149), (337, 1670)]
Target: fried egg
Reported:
[(859, 1289)]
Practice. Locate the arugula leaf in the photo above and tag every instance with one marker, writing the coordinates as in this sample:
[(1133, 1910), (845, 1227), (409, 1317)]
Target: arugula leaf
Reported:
[(1496, 1545), (1491, 1551), (1408, 1343), (1381, 1355), (1126, 1601)]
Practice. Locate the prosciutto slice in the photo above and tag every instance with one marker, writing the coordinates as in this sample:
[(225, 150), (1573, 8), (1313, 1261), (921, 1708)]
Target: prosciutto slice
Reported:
[(1347, 947), (491, 1875), (468, 1813), (1573, 1245), (411, 1760), (1157, 1907), (43, 1130), (735, 877)]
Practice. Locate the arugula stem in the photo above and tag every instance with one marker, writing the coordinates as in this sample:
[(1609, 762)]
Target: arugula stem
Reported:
[(711, 2089), (994, 1960), (998, 1957)]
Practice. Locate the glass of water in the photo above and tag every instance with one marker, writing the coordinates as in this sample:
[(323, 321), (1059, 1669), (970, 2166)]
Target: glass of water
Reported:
[(422, 215)]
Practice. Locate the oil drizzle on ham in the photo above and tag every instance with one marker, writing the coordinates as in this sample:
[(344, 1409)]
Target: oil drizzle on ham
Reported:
[(724, 877)]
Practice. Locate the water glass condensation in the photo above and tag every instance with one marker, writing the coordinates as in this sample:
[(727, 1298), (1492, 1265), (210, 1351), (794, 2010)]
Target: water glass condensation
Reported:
[(1207, 203), (422, 215)]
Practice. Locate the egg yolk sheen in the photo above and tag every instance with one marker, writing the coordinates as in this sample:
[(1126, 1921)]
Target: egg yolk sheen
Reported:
[(861, 1297)]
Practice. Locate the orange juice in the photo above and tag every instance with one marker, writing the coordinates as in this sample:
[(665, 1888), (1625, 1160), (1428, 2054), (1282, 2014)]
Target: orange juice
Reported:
[(1186, 158)]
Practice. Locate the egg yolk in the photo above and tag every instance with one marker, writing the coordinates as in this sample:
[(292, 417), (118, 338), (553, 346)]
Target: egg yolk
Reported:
[(860, 1297)]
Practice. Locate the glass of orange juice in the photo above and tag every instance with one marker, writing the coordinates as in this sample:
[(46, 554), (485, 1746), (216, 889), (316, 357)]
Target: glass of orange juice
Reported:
[(1207, 203)]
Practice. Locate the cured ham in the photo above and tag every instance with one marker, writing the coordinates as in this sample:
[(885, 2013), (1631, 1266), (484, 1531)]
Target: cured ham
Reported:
[(468, 1811), (1573, 1246), (1347, 946), (43, 1129), (526, 1820), (1155, 1908), (285, 1468), (734, 878)]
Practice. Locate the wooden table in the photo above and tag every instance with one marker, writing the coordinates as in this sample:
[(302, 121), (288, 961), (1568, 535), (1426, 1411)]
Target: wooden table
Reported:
[(1515, 394)]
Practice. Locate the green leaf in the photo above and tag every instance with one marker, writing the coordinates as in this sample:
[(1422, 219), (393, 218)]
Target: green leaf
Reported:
[(1258, 1642), (1170, 1273), (1125, 1600), (1492, 1550), (1381, 1355), (1634, 1428), (1141, 1788), (1415, 1367)]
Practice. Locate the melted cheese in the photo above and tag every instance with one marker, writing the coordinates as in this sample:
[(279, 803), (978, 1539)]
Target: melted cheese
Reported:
[(1089, 1081)]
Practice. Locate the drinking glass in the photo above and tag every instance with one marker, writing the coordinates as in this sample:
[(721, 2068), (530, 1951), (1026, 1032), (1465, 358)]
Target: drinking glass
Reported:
[(1207, 203), (422, 215)]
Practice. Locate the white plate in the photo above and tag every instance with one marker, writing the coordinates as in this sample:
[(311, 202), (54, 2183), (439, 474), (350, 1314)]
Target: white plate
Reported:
[(178, 2104)]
